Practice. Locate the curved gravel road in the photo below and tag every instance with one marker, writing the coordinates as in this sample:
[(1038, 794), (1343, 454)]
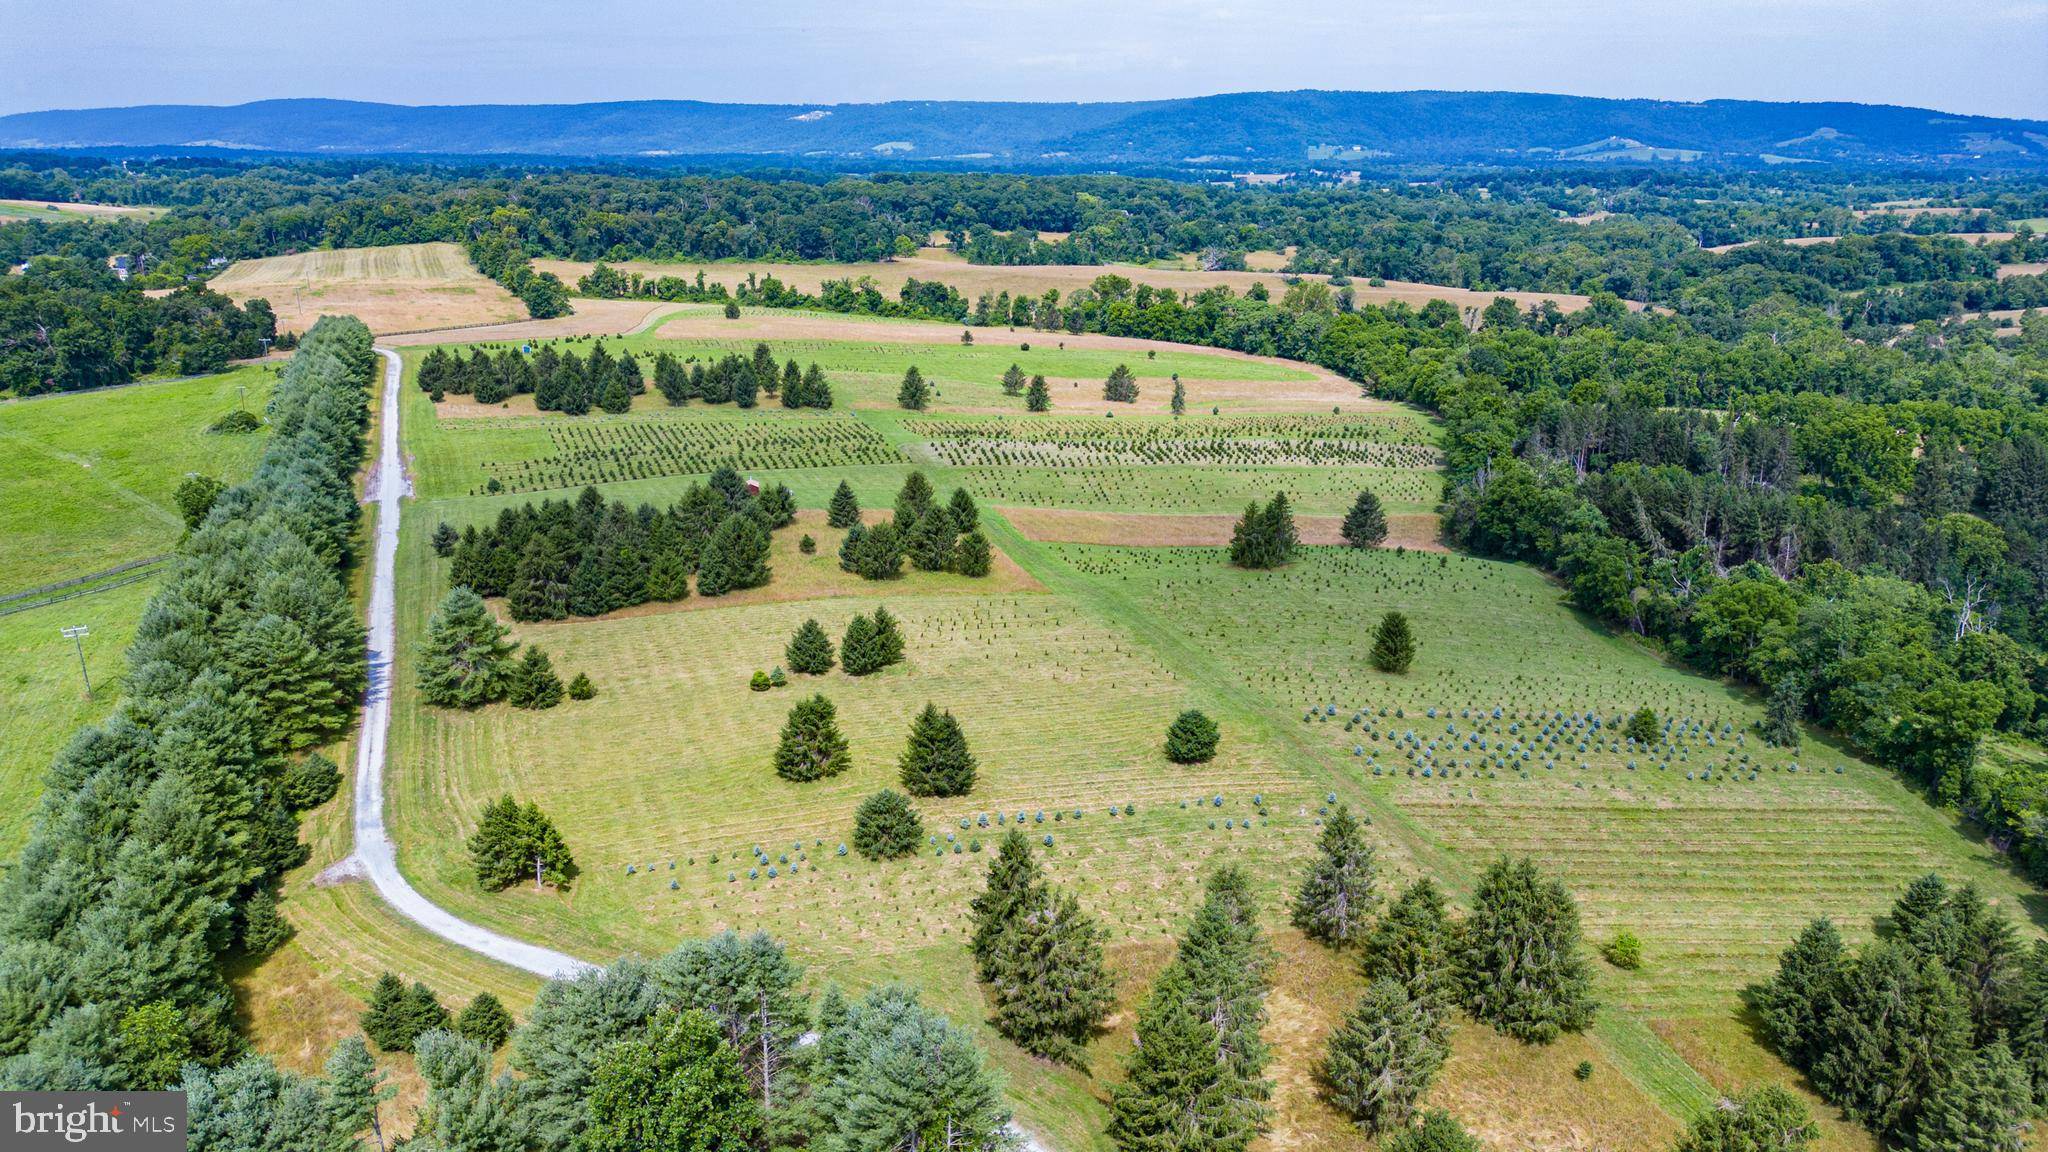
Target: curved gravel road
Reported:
[(375, 856)]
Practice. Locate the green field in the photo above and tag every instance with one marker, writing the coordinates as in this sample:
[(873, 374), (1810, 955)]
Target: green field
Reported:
[(1064, 667), (86, 479)]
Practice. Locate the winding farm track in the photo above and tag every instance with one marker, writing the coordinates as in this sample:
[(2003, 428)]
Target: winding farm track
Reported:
[(376, 857)]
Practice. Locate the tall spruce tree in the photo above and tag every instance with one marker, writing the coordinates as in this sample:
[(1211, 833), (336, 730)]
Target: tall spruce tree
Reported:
[(966, 514), (1336, 896), (1767, 1118), (512, 843), (1365, 526), (1013, 381), (1792, 1005), (534, 683), (809, 651), (858, 653), (384, 1020), (736, 557), (1981, 1104), (914, 394), (913, 500), (1049, 986), (465, 661), (1393, 644), (972, 556), (1382, 1059), (1895, 1029), (485, 1020), (844, 511), (811, 747), (888, 637), (930, 541), (936, 761), (748, 986), (1521, 968), (1014, 882), (1180, 397), (678, 1085), (1178, 1094), (1192, 738), (1038, 397), (1415, 942)]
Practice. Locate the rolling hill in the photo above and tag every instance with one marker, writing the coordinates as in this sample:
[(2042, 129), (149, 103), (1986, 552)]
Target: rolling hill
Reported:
[(1247, 129)]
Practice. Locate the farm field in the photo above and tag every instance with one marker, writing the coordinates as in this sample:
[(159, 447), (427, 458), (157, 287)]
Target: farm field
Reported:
[(86, 479), (974, 279), (396, 288), (11, 210), (1110, 609)]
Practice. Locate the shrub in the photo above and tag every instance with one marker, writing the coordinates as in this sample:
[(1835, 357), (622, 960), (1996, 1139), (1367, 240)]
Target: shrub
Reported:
[(807, 545), (1624, 951), (310, 783), (1584, 1071), (886, 827), (581, 688), (485, 1021), (1642, 727), (534, 683), (1192, 738)]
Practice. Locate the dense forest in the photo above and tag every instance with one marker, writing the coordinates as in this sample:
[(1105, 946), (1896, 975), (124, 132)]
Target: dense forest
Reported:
[(67, 323)]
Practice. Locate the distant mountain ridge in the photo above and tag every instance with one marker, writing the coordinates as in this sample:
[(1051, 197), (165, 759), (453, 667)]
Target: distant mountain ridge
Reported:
[(1284, 130)]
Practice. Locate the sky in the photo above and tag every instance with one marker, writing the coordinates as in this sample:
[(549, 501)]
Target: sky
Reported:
[(1978, 56)]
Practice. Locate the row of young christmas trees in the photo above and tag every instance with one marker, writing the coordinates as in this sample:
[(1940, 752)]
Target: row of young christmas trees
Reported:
[(565, 382)]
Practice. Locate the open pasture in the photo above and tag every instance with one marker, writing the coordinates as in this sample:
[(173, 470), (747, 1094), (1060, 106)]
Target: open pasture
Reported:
[(1712, 846), (11, 210), (86, 479), (392, 289)]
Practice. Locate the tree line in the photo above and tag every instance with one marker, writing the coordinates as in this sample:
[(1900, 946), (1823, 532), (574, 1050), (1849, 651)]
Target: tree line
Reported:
[(163, 830), (562, 381), (67, 324)]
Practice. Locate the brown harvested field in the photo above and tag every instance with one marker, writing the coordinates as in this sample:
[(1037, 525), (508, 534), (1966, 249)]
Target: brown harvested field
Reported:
[(1416, 531), (974, 279), (1906, 208), (392, 289), (1585, 218), (2037, 268)]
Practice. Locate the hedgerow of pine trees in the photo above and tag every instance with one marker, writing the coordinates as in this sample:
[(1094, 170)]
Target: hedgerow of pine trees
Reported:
[(562, 381)]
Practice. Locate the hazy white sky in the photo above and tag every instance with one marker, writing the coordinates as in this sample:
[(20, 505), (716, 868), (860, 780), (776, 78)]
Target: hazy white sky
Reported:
[(1981, 56)]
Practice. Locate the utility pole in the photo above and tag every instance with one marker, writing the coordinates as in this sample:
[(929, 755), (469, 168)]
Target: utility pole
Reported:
[(77, 634)]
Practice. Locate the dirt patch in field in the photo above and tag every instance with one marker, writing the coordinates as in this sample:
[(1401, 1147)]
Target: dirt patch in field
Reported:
[(2037, 268), (974, 279), (1416, 531), (1977, 238), (392, 289)]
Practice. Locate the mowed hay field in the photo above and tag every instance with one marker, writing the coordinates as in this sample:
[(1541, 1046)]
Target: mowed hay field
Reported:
[(393, 289), (1064, 668), (86, 480), (11, 210), (973, 279)]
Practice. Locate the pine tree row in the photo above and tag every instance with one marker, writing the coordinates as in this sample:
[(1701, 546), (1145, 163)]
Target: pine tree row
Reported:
[(562, 381)]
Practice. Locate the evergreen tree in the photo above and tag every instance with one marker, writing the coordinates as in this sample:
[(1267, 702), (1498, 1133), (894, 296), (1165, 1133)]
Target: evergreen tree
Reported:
[(748, 986), (668, 577), (580, 687), (913, 500), (356, 1090), (1922, 902), (1223, 955), (679, 1086), (930, 541), (1014, 882), (817, 392), (1038, 397), (857, 651), (1979, 1105), (893, 1075), (485, 1021), (1265, 537), (1415, 942), (914, 394), (512, 843), (616, 399), (465, 661), (1121, 387), (1642, 727), (1793, 1003), (1050, 989), (1521, 969), (746, 387), (972, 555), (1013, 381), (1763, 1119), (873, 553), (844, 511), (1177, 1094), (1384, 1056), (736, 557), (1393, 644), (811, 747), (966, 514), (1336, 896), (888, 638), (1192, 738), (444, 540), (540, 585), (1784, 709), (809, 651), (886, 827), (422, 1013), (1180, 397), (534, 683), (936, 762), (385, 1020), (1895, 1028), (1365, 526)]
